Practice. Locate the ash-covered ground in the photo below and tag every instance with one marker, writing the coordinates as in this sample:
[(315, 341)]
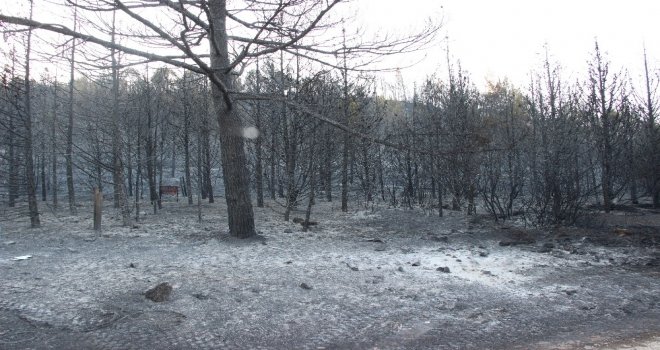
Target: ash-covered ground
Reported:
[(373, 278)]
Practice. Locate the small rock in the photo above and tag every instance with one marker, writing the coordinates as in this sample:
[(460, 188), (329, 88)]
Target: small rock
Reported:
[(305, 286), (131, 265), (487, 273), (444, 269), (483, 254), (544, 249), (653, 262), (288, 230), (416, 263), (400, 269), (159, 293), (459, 260), (10, 242), (289, 262), (559, 254), (201, 296), (353, 268), (135, 226), (570, 291)]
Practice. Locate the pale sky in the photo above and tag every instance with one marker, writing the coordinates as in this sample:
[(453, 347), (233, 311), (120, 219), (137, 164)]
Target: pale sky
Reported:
[(505, 38), (494, 39)]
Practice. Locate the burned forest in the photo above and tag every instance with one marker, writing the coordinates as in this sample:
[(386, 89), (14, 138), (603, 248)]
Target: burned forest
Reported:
[(213, 174)]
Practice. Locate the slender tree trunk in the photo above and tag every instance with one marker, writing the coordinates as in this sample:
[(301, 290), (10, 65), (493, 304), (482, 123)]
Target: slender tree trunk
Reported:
[(367, 170), (312, 185), (653, 138), (53, 148), (129, 168), (173, 160), (273, 156), (258, 168), (44, 186), (29, 154), (186, 141), (97, 160), (328, 166), (289, 131), (207, 165), (13, 162), (234, 163), (69, 130), (117, 143), (346, 139), (161, 153), (138, 172), (381, 180), (149, 151), (272, 187), (200, 161)]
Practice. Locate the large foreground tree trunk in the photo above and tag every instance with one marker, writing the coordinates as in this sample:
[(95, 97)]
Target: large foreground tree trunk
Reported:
[(234, 164)]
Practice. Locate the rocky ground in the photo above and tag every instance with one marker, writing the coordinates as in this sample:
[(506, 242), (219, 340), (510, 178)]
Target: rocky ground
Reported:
[(374, 278)]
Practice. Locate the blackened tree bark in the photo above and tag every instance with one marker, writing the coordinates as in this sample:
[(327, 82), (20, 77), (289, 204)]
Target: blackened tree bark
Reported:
[(71, 193), (186, 139), (346, 142), (149, 148), (117, 143), (53, 146), (28, 148), (234, 163), (12, 161), (258, 167), (652, 143), (603, 91)]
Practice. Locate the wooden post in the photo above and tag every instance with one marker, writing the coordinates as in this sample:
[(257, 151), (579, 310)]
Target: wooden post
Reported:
[(98, 208)]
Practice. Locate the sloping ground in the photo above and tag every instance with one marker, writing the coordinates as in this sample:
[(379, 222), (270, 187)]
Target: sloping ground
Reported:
[(374, 279)]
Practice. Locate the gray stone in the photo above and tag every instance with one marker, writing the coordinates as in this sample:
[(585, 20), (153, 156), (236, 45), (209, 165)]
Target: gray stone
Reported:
[(159, 293)]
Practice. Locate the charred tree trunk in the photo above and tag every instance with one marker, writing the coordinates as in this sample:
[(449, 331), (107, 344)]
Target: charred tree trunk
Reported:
[(208, 186), (44, 186), (138, 172), (118, 166), (29, 153), (234, 163), (186, 141), (53, 148), (149, 153), (69, 129), (258, 167), (13, 162), (346, 139)]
